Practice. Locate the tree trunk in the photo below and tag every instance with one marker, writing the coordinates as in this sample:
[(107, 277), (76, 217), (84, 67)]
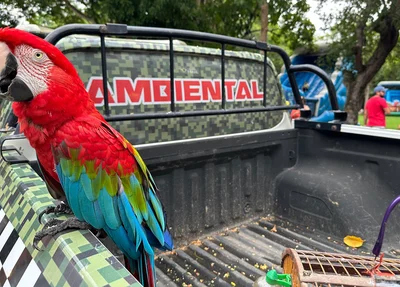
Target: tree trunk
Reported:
[(356, 85), (264, 22), (355, 95)]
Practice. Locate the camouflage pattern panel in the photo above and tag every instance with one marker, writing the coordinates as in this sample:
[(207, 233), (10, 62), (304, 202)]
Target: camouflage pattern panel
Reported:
[(138, 82), (5, 111), (75, 258)]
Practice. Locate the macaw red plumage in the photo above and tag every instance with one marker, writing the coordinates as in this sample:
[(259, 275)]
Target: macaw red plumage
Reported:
[(106, 182)]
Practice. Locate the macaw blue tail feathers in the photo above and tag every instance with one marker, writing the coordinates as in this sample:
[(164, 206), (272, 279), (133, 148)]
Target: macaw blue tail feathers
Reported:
[(168, 242), (143, 269)]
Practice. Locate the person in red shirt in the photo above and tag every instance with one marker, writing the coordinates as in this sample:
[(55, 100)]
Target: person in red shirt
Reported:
[(376, 109)]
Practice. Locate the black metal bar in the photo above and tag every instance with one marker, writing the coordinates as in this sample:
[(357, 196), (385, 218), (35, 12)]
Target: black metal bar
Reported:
[(112, 29), (292, 79), (147, 116), (104, 72), (324, 76), (95, 29), (336, 127), (172, 73), (223, 100), (265, 80)]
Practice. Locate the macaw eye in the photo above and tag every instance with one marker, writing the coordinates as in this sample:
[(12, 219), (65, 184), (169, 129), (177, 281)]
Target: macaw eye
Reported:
[(38, 55)]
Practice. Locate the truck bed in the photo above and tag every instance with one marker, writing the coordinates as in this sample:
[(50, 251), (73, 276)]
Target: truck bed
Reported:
[(217, 193), (238, 256)]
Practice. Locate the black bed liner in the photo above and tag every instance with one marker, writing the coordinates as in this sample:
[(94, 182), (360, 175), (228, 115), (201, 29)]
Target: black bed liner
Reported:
[(237, 257)]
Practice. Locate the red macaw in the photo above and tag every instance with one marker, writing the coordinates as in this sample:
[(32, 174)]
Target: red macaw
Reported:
[(106, 182)]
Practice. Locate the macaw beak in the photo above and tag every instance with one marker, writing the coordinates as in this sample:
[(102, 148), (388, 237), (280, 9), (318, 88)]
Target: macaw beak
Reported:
[(11, 86)]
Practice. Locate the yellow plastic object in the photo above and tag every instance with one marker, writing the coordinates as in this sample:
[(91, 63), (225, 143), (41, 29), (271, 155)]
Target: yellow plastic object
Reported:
[(353, 241)]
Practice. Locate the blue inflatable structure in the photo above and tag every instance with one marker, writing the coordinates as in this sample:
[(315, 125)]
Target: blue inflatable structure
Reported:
[(313, 89), (393, 91)]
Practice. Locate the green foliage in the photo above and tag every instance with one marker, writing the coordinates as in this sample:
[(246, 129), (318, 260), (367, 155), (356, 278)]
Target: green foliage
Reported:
[(6, 17), (232, 17), (287, 22), (55, 13), (390, 70), (289, 28), (157, 13), (238, 18), (289, 25), (364, 32), (358, 24)]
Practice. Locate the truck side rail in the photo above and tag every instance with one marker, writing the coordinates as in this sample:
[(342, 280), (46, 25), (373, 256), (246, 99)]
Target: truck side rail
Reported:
[(119, 29)]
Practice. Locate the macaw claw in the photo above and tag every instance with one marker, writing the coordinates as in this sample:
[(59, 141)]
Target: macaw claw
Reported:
[(55, 226), (61, 208)]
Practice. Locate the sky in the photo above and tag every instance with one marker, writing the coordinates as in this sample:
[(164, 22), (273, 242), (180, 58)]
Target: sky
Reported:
[(315, 18)]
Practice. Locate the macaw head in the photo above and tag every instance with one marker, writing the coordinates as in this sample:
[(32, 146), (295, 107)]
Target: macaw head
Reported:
[(30, 66), (43, 84)]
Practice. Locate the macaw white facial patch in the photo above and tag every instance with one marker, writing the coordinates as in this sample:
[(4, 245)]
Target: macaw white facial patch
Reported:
[(4, 51)]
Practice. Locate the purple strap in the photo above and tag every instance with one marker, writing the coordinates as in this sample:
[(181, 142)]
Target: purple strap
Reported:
[(378, 244)]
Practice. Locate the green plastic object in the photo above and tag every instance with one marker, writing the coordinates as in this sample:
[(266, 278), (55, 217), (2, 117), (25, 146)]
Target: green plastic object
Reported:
[(273, 278)]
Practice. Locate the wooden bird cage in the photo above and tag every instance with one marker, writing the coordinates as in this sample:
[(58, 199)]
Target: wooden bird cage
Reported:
[(321, 269)]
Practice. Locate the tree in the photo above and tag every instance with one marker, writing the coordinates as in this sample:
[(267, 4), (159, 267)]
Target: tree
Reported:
[(264, 21), (289, 24), (161, 13), (238, 18), (364, 32), (390, 70), (8, 16), (242, 18), (287, 27), (283, 21)]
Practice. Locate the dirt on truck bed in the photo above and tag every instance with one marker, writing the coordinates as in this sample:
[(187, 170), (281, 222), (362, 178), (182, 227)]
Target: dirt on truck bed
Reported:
[(238, 256)]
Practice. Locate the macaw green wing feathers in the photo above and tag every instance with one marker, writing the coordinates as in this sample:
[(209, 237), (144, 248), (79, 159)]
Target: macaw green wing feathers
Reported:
[(155, 202), (134, 191)]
